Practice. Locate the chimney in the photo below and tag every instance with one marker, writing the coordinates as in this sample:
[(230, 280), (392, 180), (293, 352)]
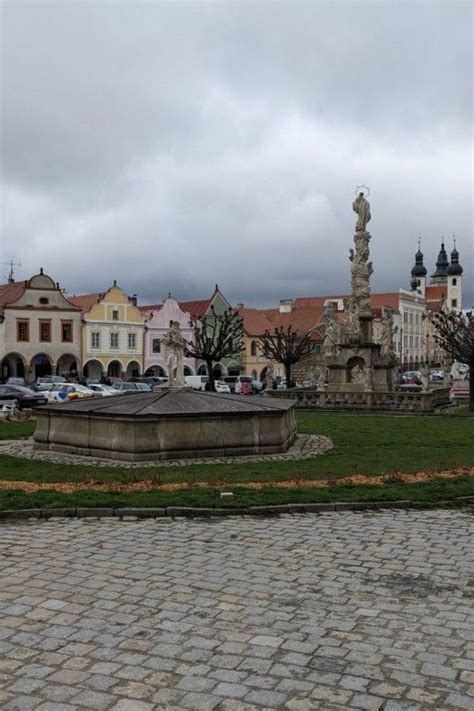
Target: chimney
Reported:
[(286, 306), (133, 299)]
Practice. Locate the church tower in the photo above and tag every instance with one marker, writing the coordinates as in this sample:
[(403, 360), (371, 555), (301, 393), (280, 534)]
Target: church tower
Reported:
[(418, 273), (441, 274), (454, 275)]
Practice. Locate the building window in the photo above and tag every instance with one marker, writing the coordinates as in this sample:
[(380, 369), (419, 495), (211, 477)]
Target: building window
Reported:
[(66, 331), (411, 317), (132, 340), (95, 340), (455, 281), (115, 315), (156, 345), (43, 300), (454, 303), (253, 348), (411, 341), (23, 330), (114, 340), (405, 317), (45, 331)]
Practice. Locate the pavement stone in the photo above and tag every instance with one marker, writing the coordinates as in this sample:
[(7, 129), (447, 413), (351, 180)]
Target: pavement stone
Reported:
[(363, 610)]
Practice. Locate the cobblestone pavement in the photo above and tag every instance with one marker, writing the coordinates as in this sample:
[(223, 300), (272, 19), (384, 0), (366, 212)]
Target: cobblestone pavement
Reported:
[(304, 447), (302, 612)]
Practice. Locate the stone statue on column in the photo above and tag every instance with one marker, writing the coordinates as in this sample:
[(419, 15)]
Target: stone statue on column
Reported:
[(175, 346), (361, 268)]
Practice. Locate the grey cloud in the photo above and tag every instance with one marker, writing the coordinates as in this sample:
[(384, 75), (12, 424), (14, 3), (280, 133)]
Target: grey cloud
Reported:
[(173, 145)]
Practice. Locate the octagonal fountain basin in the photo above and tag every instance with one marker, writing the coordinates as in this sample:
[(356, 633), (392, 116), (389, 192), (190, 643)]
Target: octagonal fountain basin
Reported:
[(170, 424)]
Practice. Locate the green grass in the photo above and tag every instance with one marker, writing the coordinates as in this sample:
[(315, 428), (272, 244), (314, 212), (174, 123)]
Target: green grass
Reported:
[(429, 493), (363, 444), (16, 430)]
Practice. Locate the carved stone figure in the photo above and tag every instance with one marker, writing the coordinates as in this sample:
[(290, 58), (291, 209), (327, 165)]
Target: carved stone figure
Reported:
[(321, 383), (362, 207), (352, 327), (332, 331), (387, 346), (175, 347), (357, 375), (425, 378), (269, 378), (368, 377)]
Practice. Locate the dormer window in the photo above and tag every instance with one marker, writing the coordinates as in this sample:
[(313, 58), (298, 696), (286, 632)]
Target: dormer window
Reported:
[(115, 315), (44, 300)]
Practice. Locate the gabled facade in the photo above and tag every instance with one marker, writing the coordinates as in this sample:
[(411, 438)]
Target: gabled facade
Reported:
[(158, 319), (204, 307), (112, 334), (40, 330)]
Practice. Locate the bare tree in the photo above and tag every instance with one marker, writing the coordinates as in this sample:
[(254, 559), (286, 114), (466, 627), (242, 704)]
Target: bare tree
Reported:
[(455, 334), (286, 346), (215, 336)]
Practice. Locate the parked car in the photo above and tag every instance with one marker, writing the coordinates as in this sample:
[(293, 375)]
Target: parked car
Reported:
[(231, 380), (106, 390), (47, 381), (130, 387), (221, 387), (16, 381), (437, 374), (196, 382), (20, 397), (410, 383), (65, 392), (460, 389)]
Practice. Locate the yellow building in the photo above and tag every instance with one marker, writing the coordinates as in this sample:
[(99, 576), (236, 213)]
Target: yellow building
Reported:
[(254, 325), (112, 334)]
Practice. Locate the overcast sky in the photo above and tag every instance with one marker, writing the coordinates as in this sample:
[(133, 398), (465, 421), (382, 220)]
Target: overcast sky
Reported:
[(173, 145)]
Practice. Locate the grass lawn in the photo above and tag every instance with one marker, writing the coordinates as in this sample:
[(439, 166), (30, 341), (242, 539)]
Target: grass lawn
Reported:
[(375, 445)]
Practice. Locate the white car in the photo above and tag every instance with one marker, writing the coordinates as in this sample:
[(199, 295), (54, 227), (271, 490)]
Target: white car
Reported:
[(47, 382), (130, 387), (105, 390), (65, 392), (221, 387)]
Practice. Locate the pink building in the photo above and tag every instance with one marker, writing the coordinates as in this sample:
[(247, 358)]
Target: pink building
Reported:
[(158, 319)]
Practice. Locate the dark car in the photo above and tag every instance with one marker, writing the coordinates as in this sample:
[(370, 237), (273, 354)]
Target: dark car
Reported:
[(21, 397)]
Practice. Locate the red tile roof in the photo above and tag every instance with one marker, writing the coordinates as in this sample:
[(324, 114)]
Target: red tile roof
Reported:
[(389, 300), (85, 301), (301, 319), (254, 321), (436, 293), (151, 307), (195, 308), (11, 291)]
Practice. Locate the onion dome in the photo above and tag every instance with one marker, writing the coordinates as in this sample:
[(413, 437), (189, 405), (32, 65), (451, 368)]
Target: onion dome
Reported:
[(419, 270), (455, 269), (441, 265)]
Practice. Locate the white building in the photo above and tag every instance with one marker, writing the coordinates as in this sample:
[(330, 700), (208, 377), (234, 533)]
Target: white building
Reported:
[(40, 329)]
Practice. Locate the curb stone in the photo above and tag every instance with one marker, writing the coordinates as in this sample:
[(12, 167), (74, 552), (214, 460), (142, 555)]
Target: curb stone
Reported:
[(194, 512)]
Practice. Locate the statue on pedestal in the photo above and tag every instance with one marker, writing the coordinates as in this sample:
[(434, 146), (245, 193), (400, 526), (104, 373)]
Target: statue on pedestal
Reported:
[(332, 331), (175, 346), (362, 207), (269, 378), (387, 345)]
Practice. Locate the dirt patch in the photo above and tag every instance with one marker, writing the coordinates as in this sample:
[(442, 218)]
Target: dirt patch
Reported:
[(149, 485)]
